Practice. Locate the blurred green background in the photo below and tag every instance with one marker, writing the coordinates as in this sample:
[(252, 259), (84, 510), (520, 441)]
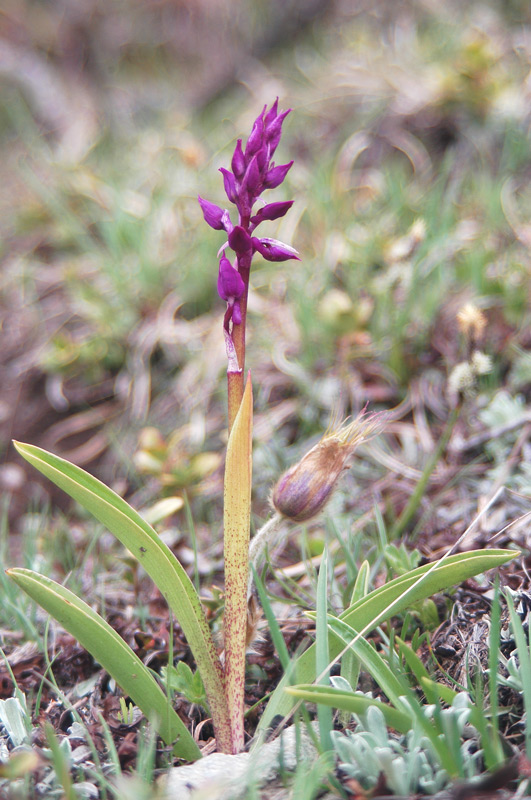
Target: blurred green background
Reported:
[(410, 134)]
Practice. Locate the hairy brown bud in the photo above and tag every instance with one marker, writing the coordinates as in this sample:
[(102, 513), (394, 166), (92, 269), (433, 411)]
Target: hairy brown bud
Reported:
[(304, 490)]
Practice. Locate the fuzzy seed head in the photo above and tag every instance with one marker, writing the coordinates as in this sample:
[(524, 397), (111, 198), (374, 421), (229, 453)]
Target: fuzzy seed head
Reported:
[(480, 362), (471, 321), (461, 379), (304, 490)]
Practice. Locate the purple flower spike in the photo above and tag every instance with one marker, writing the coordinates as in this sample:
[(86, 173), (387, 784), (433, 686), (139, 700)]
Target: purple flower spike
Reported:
[(271, 211), (212, 213), (229, 181), (252, 171), (230, 283), (276, 175), (273, 250)]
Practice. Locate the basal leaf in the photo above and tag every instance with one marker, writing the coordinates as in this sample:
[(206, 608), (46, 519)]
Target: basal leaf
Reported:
[(158, 561), (114, 655), (350, 701)]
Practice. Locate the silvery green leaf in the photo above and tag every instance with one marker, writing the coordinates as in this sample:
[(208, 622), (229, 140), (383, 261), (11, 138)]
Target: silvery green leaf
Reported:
[(13, 718), (375, 723), (338, 682)]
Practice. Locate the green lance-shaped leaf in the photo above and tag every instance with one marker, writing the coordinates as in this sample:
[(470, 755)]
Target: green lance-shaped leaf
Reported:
[(236, 534), (391, 598), (350, 701), (322, 652), (158, 561), (114, 655)]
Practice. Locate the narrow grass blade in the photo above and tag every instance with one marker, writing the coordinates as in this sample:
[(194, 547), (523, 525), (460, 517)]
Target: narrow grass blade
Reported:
[(350, 664), (158, 561), (274, 629), (114, 655), (392, 598), (497, 755), (487, 734), (347, 552), (524, 658), (236, 536), (60, 763), (322, 652), (372, 661), (361, 585)]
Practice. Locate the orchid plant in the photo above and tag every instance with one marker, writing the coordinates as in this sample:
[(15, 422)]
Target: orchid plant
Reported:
[(253, 171), (300, 495)]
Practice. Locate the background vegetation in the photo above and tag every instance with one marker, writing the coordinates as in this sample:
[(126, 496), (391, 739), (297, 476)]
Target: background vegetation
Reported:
[(410, 134)]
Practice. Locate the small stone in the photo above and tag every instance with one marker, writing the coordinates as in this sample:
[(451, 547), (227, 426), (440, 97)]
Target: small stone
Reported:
[(226, 777)]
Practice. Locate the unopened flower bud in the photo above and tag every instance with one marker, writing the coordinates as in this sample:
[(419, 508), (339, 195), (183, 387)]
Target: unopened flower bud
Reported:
[(271, 115), (262, 159), (271, 211), (252, 180), (212, 213), (274, 132), (238, 160), (304, 490), (273, 250), (276, 175), (254, 142), (229, 182), (230, 283)]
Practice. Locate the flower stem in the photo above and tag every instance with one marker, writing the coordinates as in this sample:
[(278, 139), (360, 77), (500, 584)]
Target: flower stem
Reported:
[(235, 377), (237, 518), (235, 394)]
